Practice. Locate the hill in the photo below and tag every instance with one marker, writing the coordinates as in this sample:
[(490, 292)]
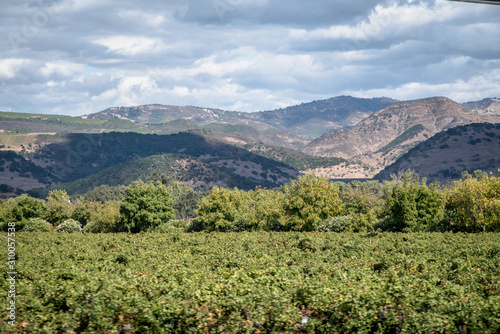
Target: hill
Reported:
[(380, 139), (308, 120), (313, 119), (208, 160), (487, 107), (446, 155)]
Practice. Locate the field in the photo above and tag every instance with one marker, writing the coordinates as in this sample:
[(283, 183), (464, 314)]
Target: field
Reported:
[(255, 283)]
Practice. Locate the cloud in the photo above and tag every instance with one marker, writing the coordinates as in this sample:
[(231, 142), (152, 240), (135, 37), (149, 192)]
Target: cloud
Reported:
[(76, 57)]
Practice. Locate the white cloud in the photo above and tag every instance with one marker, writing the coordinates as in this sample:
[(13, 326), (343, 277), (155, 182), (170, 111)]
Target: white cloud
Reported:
[(131, 45), (10, 67), (62, 68)]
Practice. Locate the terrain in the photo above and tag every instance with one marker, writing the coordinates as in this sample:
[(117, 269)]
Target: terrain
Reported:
[(446, 155), (308, 120), (384, 136), (488, 107), (206, 147)]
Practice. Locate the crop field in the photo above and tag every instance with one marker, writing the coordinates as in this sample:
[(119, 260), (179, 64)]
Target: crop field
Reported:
[(254, 283)]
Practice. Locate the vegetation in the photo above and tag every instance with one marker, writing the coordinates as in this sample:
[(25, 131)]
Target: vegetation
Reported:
[(403, 204), (146, 207), (256, 282)]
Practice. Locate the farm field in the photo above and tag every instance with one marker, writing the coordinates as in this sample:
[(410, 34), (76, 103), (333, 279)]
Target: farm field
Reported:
[(255, 283)]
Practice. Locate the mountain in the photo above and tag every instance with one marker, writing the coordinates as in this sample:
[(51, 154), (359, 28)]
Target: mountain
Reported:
[(308, 120), (380, 139), (487, 107), (208, 160), (444, 156), (33, 124), (315, 118)]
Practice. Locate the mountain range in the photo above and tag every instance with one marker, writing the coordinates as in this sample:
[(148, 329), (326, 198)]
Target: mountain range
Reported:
[(340, 138)]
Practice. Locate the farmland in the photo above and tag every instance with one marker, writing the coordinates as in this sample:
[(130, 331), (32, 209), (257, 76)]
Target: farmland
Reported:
[(255, 282)]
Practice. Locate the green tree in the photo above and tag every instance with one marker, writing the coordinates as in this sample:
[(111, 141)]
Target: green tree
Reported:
[(473, 204), (28, 207), (145, 207), (414, 207), (59, 207), (106, 193), (308, 201), (221, 208)]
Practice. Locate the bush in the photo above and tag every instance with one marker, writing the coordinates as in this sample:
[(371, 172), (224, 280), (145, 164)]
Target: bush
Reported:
[(37, 225), (221, 209), (308, 201), (173, 226), (69, 226), (335, 224), (146, 207)]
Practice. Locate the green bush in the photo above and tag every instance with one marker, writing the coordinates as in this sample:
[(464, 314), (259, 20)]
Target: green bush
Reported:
[(309, 201), (37, 225), (69, 226), (173, 226), (145, 207), (335, 224)]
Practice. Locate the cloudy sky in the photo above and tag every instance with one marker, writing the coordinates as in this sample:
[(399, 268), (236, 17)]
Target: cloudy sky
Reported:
[(76, 57)]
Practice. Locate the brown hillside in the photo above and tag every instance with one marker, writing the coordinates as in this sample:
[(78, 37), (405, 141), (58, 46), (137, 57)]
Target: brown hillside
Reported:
[(388, 133), (487, 107), (446, 155)]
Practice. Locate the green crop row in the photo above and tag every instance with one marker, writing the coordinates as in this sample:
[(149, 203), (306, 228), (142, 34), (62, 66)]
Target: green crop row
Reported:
[(255, 283)]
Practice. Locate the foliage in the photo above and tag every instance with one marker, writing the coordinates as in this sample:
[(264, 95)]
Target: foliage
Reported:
[(37, 225), (256, 282), (414, 207), (69, 226), (335, 224), (104, 219), (308, 201), (221, 208), (105, 193), (473, 204), (27, 207), (173, 226), (145, 207), (59, 207)]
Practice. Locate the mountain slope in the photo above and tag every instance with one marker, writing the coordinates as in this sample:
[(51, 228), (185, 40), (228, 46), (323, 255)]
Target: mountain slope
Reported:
[(308, 119), (447, 154), (188, 170), (318, 117), (487, 107), (381, 138)]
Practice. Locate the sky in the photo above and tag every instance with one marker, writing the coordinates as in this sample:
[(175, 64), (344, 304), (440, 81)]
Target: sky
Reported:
[(76, 57)]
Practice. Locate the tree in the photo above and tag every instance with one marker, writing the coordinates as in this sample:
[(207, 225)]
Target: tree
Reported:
[(308, 201), (106, 193), (221, 208), (28, 207), (145, 207), (473, 204), (414, 207), (59, 207)]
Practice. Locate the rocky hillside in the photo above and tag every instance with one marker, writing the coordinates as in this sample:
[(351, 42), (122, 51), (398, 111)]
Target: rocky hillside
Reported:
[(446, 155), (309, 120), (381, 138), (313, 119), (487, 107)]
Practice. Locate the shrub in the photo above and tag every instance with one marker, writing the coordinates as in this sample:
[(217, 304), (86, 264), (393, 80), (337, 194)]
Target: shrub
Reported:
[(37, 225), (69, 226), (173, 226), (308, 201), (335, 224), (145, 207)]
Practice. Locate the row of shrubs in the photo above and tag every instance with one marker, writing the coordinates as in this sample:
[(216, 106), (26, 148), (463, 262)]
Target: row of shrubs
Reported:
[(404, 204)]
